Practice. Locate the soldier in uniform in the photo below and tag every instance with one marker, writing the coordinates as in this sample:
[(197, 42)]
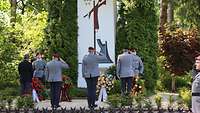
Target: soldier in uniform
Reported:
[(90, 71), (125, 72), (39, 67), (53, 74), (137, 63), (196, 89)]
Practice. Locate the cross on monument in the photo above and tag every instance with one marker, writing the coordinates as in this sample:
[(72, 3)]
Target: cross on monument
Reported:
[(94, 10)]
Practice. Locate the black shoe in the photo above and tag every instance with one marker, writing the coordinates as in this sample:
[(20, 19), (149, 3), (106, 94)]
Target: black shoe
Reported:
[(55, 106), (95, 106), (58, 106), (90, 107)]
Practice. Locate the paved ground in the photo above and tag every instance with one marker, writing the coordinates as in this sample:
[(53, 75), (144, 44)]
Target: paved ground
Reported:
[(82, 103), (165, 99)]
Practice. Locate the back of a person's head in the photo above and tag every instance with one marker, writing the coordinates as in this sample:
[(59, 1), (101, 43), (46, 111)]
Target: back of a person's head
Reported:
[(56, 55), (90, 49), (38, 53), (26, 56), (132, 49), (125, 50)]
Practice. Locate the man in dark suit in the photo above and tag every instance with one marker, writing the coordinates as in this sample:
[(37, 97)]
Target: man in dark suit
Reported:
[(26, 73)]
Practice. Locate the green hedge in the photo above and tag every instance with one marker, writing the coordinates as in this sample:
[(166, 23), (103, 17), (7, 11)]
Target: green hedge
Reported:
[(61, 33), (137, 27)]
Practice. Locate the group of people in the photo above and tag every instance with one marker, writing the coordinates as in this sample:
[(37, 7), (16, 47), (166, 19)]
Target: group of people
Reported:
[(129, 65), (39, 70), (29, 69)]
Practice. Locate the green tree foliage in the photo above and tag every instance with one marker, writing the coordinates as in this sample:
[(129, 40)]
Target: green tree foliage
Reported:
[(31, 27), (4, 5), (61, 32), (35, 6), (24, 37), (122, 40), (188, 12), (137, 27), (179, 48), (8, 47), (69, 21), (186, 16), (8, 56)]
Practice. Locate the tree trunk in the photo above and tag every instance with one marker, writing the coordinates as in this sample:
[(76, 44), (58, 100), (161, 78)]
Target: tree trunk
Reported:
[(23, 7), (170, 17), (170, 12), (163, 14), (173, 83), (13, 4)]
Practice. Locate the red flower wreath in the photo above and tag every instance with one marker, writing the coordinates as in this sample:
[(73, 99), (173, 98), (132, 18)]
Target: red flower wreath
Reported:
[(39, 87)]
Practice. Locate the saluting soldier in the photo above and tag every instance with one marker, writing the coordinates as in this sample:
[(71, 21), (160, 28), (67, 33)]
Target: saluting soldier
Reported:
[(90, 71), (54, 70)]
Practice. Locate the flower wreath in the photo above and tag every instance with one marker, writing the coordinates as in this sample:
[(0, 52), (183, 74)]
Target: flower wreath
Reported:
[(40, 88), (138, 86), (105, 81)]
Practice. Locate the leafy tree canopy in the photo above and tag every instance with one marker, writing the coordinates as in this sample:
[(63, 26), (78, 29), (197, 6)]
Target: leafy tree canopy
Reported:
[(179, 48)]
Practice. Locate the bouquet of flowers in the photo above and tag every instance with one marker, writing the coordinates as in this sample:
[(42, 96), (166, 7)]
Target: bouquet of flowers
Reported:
[(138, 86)]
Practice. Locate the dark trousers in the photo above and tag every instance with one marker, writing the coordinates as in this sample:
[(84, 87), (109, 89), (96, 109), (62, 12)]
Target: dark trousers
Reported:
[(25, 87), (126, 85), (55, 93), (91, 90)]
